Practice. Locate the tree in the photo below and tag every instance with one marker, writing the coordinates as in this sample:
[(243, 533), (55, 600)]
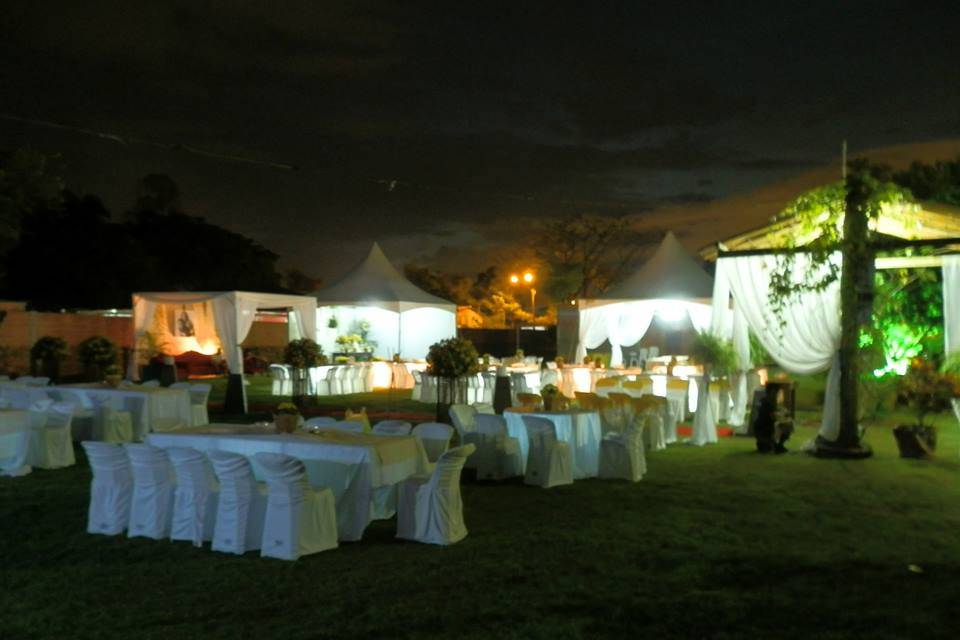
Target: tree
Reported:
[(297, 281), (482, 293), (586, 254), (939, 181)]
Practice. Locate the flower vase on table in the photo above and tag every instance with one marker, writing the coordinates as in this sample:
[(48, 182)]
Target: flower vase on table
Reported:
[(286, 418)]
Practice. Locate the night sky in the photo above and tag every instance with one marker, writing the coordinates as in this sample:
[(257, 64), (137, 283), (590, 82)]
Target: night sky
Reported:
[(445, 131)]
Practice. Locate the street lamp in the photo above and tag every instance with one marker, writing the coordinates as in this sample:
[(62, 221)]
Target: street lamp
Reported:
[(527, 279)]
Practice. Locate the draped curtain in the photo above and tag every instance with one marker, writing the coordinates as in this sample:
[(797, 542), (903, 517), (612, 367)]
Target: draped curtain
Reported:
[(143, 312), (805, 338), (951, 303)]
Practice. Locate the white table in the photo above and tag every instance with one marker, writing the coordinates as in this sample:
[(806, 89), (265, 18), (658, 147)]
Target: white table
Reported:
[(352, 465), (579, 429), (14, 442), (146, 404)]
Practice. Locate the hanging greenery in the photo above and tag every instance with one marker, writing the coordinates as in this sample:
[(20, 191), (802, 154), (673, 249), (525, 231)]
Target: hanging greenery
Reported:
[(715, 352)]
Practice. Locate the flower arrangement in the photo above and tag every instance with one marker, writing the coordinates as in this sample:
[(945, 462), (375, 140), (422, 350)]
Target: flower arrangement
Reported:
[(287, 409), (519, 354), (50, 349), (285, 417), (97, 352), (452, 358), (559, 360), (302, 354), (927, 389), (549, 390)]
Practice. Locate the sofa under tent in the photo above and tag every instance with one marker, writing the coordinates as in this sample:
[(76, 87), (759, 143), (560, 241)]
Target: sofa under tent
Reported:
[(671, 285), (214, 321), (400, 319)]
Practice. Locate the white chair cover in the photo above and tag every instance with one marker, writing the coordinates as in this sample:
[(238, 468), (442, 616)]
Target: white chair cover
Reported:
[(241, 507), (300, 520), (199, 395), (195, 498), (498, 455), (430, 509), (82, 427), (110, 490), (489, 386), (153, 484), (392, 428), (653, 431), (484, 407), (549, 461), (15, 448), (333, 382), (109, 423), (464, 420), (150, 383), (622, 455), (435, 437), (282, 384), (51, 441)]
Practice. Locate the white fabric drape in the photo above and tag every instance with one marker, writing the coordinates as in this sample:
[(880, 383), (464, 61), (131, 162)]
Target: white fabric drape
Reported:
[(805, 338), (951, 303), (593, 330), (627, 323), (143, 311)]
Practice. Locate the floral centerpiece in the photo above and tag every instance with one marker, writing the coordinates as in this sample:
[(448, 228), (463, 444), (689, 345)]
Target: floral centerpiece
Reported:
[(552, 399), (451, 360), (286, 417), (927, 390), (301, 355)]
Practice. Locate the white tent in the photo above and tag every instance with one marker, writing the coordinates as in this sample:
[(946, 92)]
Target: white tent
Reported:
[(213, 320), (671, 284), (403, 319)]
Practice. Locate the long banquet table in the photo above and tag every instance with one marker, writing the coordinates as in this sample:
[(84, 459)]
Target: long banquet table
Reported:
[(579, 429), (352, 465), (146, 404)]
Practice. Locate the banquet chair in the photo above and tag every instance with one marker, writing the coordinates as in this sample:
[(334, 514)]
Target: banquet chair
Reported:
[(82, 427), (483, 407), (497, 455), (346, 425), (622, 456), (300, 519), (318, 383), (333, 381), (653, 352), (392, 428), (417, 391), (429, 508), (110, 489), (435, 437), (642, 386), (15, 448), (153, 483), (607, 385), (318, 422), (530, 400), (677, 390), (518, 385), (51, 442), (549, 460), (344, 379), (282, 384), (489, 387), (22, 398), (199, 395), (464, 418), (109, 423), (241, 507), (150, 384), (588, 401), (649, 413), (358, 416), (549, 376), (195, 497), (618, 413), (474, 388)]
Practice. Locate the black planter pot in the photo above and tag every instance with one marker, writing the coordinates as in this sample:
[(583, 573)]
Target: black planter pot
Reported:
[(916, 441)]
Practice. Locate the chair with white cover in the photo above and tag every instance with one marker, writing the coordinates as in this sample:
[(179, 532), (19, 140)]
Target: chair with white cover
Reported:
[(498, 455), (199, 395), (51, 441), (300, 519), (282, 384), (36, 381), (83, 423), (110, 423), (344, 381), (549, 460), (392, 428), (110, 490), (429, 508), (417, 391), (518, 384), (435, 437), (150, 384), (24, 380), (489, 386), (622, 455), (151, 507), (464, 420), (241, 506), (653, 352), (195, 497), (474, 388), (346, 425), (484, 407), (319, 422)]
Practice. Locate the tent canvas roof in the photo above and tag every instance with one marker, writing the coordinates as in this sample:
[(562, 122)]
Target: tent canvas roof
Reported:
[(671, 273), (377, 283)]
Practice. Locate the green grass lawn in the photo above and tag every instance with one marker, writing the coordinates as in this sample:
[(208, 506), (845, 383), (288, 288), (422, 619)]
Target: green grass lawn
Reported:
[(713, 542)]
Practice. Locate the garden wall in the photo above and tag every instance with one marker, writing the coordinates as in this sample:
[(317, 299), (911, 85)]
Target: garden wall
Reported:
[(21, 328)]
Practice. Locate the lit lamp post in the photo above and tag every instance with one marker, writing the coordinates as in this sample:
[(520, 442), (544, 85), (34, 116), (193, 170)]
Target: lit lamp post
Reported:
[(527, 278)]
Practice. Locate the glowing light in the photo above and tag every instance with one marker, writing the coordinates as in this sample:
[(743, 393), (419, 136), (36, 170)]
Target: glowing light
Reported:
[(514, 279), (528, 277), (672, 311)]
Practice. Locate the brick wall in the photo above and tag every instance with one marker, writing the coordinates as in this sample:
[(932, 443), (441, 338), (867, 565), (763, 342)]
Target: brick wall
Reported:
[(21, 328)]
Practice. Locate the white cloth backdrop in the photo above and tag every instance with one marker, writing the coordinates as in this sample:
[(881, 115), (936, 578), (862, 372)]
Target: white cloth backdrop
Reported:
[(805, 339), (951, 303)]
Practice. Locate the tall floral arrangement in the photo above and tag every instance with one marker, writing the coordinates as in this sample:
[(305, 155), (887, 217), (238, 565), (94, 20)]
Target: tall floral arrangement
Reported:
[(450, 360)]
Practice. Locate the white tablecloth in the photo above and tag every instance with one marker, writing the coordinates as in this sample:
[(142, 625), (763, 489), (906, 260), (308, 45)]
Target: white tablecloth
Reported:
[(146, 404), (579, 429), (351, 465), (14, 442)]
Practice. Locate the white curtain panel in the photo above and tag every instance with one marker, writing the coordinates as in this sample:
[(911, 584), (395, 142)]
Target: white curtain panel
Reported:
[(805, 338), (593, 329), (143, 312), (951, 303)]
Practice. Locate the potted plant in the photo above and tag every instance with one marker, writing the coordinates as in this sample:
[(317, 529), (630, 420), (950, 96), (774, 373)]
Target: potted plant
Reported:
[(286, 417), (450, 360), (551, 397), (96, 354), (112, 376), (714, 354), (46, 354), (927, 390), (301, 355), (333, 323)]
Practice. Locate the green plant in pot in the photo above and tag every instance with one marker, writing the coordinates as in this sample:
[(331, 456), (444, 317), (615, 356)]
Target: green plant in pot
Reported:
[(715, 355), (551, 397), (96, 354), (301, 355), (112, 375), (927, 390), (450, 360), (47, 353)]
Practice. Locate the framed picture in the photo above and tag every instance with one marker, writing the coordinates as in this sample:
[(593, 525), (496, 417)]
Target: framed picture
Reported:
[(184, 324)]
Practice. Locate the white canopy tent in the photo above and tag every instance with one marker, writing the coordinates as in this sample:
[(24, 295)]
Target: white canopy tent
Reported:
[(403, 319), (671, 284), (216, 320)]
